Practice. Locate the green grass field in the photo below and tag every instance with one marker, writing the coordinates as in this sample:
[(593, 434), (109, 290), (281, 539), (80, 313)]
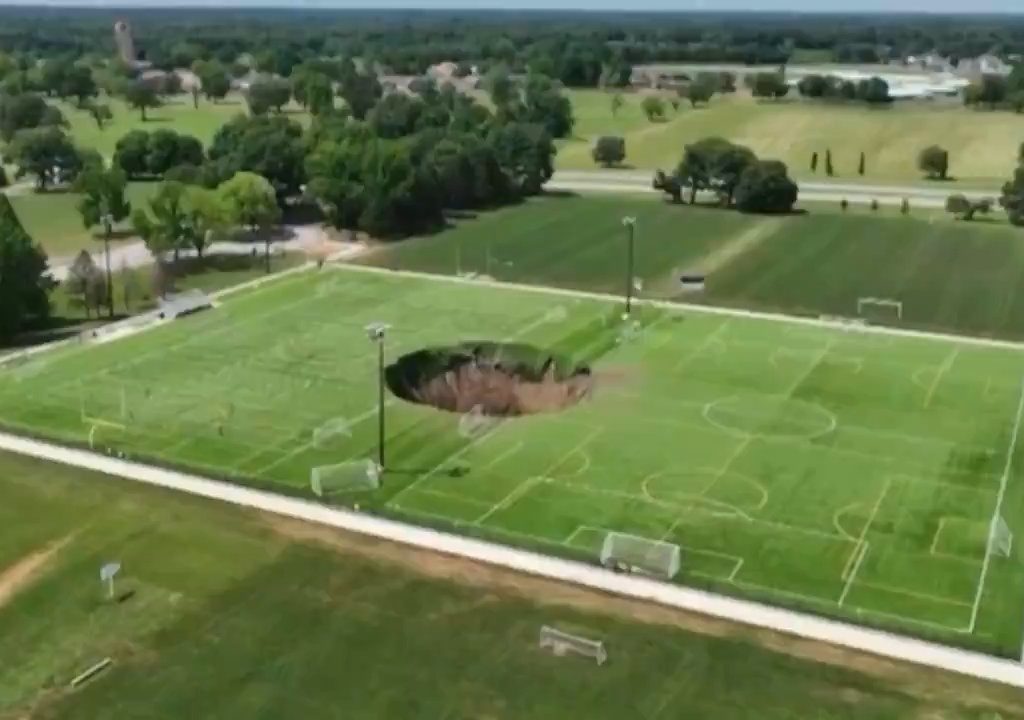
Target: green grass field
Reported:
[(53, 220), (231, 615), (982, 145), (177, 113), (845, 473), (951, 276)]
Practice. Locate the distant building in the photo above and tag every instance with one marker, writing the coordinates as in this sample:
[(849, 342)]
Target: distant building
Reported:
[(987, 64)]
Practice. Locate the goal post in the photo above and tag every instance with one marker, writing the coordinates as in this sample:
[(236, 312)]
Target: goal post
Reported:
[(1000, 540), (561, 643), (354, 475), (879, 309), (641, 555)]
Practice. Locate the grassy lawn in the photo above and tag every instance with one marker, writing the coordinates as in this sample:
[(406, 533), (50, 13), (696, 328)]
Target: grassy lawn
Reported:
[(178, 114), (742, 441), (954, 276), (982, 145), (134, 288), (52, 219), (228, 614)]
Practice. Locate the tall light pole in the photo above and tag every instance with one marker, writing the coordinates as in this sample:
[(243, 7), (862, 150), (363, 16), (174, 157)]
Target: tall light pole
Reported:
[(108, 230), (630, 224), (376, 333)]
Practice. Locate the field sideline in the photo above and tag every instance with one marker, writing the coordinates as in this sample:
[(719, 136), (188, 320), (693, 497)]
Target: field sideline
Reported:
[(224, 610), (774, 455)]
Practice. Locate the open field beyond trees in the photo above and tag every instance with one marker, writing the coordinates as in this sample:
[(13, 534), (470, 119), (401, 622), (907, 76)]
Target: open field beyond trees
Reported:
[(953, 276), (738, 439), (228, 614), (52, 219), (982, 145)]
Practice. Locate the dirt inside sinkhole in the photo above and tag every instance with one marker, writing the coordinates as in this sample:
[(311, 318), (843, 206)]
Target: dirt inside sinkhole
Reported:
[(495, 379)]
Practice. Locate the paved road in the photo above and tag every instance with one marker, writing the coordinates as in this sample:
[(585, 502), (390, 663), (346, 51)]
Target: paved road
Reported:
[(133, 254), (639, 181), (813, 627)]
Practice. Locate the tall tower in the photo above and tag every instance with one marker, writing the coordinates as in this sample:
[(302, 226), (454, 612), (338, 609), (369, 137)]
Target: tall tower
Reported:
[(124, 42)]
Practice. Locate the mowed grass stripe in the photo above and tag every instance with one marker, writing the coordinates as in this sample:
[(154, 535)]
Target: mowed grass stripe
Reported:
[(744, 456)]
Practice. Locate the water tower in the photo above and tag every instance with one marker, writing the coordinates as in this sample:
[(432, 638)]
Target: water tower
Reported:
[(124, 42)]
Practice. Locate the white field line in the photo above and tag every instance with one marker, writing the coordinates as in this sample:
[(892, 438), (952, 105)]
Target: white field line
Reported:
[(861, 552), (885, 644), (530, 482), (997, 513), (862, 544), (947, 364), (689, 307)]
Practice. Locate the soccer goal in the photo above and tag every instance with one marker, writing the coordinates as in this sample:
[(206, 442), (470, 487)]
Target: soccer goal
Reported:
[(1000, 541), (344, 477), (875, 309), (477, 423), (332, 432), (641, 555), (562, 643)]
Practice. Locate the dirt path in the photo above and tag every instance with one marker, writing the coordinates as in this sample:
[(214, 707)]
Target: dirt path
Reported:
[(23, 572)]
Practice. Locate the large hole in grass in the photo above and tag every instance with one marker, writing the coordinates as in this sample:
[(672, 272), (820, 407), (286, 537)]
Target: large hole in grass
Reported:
[(496, 379)]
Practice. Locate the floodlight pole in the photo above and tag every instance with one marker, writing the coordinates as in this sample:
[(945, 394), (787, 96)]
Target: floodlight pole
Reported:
[(108, 230), (380, 402), (630, 223), (376, 332)]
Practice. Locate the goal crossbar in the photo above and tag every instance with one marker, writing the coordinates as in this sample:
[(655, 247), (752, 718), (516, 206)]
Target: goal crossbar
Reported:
[(887, 304), (640, 554), (561, 643)]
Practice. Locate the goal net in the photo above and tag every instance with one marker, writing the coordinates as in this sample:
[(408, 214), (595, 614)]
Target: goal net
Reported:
[(1000, 541), (881, 310), (344, 477), (331, 432), (561, 643), (476, 423), (639, 554)]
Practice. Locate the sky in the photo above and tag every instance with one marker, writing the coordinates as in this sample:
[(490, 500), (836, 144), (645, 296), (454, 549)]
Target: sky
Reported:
[(863, 6)]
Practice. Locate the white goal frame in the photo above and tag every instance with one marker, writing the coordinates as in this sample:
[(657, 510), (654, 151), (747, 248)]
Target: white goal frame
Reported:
[(635, 554), (896, 305), (560, 643)]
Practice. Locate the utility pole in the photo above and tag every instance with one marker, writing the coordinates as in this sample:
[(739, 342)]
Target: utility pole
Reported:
[(630, 224)]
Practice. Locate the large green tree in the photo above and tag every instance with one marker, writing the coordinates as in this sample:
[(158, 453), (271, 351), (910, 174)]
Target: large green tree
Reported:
[(47, 154), (765, 187), (103, 203), (24, 282), (271, 147), (361, 91), (141, 96), (250, 201), (268, 93), (163, 226)]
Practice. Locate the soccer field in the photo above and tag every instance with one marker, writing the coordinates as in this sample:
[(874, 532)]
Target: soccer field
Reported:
[(848, 473)]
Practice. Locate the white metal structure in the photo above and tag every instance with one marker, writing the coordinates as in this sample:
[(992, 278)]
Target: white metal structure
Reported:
[(805, 625), (344, 477), (561, 643), (640, 554), (894, 308), (1001, 540)]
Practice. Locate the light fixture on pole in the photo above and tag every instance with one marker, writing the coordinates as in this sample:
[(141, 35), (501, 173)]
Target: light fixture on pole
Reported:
[(108, 230), (376, 333), (630, 224)]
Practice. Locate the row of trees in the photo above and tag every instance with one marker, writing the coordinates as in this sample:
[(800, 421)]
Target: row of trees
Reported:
[(734, 174), (874, 91), (997, 92)]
